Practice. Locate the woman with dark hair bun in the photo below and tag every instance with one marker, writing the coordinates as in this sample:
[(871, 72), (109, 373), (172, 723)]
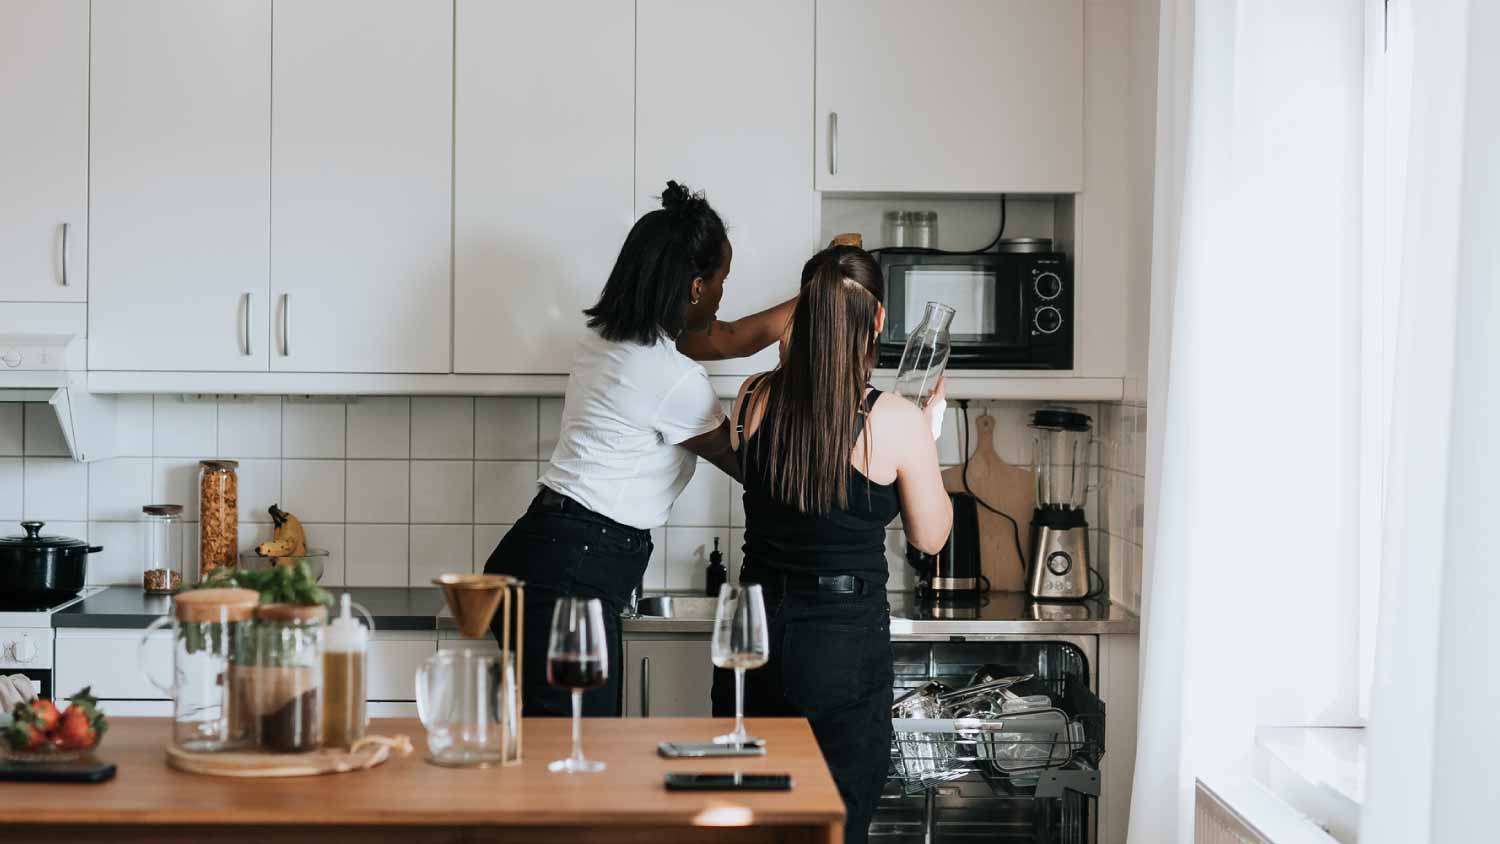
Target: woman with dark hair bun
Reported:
[(638, 413)]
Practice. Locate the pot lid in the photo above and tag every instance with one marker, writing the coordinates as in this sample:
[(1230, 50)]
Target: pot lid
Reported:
[(34, 539)]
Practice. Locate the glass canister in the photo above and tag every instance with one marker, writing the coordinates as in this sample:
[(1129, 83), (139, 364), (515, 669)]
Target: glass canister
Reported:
[(283, 679), (162, 569), (922, 231), (219, 514), (208, 626), (897, 229)]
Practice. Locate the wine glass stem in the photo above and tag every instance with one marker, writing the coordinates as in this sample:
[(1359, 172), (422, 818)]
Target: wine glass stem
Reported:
[(739, 704), (577, 725)]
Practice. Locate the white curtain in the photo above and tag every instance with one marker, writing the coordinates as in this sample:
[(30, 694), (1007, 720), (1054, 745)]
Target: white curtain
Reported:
[(1251, 610), (1434, 732)]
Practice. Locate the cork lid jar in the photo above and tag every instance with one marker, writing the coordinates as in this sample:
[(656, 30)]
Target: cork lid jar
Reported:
[(209, 605)]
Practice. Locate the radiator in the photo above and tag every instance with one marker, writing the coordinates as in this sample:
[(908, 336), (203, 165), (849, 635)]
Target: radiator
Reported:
[(1239, 810), (1216, 823)]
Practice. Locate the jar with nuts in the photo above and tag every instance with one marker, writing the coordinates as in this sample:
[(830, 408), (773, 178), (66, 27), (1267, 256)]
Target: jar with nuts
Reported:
[(219, 513), (163, 572)]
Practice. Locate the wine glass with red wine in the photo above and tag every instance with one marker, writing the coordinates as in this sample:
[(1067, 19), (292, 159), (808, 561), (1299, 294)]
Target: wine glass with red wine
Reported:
[(578, 660)]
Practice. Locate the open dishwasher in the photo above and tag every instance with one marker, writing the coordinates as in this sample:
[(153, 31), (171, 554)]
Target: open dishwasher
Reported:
[(996, 740)]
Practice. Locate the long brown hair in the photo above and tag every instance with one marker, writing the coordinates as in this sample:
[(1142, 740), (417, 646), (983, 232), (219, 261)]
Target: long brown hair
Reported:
[(817, 392)]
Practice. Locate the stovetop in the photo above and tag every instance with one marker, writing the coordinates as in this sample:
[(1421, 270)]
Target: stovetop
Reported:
[(37, 614)]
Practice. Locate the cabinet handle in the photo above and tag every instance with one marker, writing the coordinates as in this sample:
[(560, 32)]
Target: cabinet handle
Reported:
[(833, 143), (286, 325), (645, 687), (66, 227), (245, 319)]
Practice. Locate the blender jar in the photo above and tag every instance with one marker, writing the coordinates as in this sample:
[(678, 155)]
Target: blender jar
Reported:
[(1062, 442)]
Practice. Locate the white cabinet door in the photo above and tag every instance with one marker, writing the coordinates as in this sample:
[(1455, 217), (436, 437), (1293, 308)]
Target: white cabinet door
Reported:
[(667, 679), (44, 103), (180, 152), (361, 185), (108, 662), (959, 96), (542, 188), (392, 666), (724, 103)]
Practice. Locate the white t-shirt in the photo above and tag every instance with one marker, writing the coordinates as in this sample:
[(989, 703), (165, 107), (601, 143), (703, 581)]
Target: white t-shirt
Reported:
[(627, 408)]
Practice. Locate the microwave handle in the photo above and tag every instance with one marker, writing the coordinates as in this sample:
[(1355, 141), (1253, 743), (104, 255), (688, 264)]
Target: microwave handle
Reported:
[(833, 143)]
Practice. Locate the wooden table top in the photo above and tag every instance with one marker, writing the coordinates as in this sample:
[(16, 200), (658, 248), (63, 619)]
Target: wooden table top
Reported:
[(410, 792)]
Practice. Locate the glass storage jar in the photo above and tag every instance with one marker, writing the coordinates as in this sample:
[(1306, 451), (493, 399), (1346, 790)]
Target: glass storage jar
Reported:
[(922, 230), (283, 680), (219, 513), (162, 569), (209, 626), (897, 229)]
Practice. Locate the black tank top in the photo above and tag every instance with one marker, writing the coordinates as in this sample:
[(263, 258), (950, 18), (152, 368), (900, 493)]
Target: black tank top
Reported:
[(849, 540)]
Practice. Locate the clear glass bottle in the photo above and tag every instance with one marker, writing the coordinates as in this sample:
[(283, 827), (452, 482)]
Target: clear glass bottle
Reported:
[(284, 680), (219, 513), (209, 626), (162, 572), (926, 355), (922, 230)]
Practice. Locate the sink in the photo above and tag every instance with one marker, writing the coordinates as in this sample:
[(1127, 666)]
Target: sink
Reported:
[(678, 606)]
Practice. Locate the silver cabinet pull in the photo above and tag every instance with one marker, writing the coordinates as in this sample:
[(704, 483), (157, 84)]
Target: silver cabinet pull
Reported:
[(66, 226), (645, 687), (286, 325), (245, 319), (833, 143)]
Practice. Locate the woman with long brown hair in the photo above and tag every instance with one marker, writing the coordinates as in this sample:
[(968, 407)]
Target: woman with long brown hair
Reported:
[(828, 462)]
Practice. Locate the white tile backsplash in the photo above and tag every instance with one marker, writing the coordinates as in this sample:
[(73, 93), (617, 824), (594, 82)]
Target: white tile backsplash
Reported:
[(442, 428), (313, 490), (44, 436), (312, 428), (549, 412), (656, 568), (380, 427), (175, 481), (185, 427), (378, 491), (376, 555), (688, 549), (55, 489), (442, 491), (11, 484), (133, 425), (12, 430), (486, 539), (440, 549), (120, 563), (505, 428), (259, 488), (330, 538), (502, 490), (119, 488), (704, 502), (250, 427)]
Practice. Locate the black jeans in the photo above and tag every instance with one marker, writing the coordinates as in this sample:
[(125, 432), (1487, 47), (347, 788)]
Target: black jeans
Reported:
[(559, 548), (831, 664)]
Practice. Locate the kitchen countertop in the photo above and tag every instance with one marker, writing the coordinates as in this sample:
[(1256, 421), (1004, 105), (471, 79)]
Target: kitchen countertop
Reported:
[(418, 609), (409, 800)]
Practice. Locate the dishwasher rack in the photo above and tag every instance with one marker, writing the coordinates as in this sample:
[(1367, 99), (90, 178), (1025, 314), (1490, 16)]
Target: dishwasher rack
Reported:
[(1030, 776)]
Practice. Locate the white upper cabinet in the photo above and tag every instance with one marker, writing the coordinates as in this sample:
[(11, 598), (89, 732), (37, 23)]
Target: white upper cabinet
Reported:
[(542, 175), (963, 96), (179, 185), (724, 103), (361, 185), (44, 103)]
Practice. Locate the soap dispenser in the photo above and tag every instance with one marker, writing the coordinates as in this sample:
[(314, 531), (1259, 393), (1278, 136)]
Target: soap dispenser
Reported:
[(717, 574), (344, 647)]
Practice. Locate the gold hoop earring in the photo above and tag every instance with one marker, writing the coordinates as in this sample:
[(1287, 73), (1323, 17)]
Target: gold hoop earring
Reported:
[(692, 301)]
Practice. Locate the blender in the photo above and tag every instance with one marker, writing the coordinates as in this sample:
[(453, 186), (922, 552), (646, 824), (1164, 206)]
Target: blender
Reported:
[(1062, 441)]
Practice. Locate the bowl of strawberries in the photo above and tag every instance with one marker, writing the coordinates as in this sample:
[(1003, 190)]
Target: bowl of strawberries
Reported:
[(40, 732)]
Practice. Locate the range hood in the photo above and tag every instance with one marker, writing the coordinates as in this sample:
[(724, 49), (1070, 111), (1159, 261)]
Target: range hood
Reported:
[(49, 367)]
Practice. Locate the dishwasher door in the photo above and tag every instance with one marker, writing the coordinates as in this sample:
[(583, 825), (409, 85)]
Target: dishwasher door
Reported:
[(957, 781)]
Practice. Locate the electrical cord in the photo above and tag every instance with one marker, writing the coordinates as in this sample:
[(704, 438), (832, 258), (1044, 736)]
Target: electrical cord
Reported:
[(922, 250)]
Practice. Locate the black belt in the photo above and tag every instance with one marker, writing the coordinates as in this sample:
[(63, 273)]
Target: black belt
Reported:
[(834, 584)]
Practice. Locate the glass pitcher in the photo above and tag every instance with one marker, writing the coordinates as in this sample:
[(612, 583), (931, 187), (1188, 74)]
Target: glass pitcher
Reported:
[(1062, 450), (926, 355), (470, 705), (208, 625)]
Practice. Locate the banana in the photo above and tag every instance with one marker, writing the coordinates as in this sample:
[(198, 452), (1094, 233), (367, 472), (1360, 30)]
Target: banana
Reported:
[(290, 539)]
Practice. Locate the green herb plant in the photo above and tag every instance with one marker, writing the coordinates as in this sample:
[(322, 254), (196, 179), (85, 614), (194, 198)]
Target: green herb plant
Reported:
[(293, 584)]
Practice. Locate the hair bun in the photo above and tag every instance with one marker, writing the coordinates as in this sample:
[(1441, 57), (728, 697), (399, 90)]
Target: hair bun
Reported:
[(675, 196)]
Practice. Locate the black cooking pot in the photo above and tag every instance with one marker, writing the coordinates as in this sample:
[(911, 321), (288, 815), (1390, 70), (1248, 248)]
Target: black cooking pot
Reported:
[(42, 569)]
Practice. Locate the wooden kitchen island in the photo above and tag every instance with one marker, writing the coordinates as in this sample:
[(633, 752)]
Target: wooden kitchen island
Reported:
[(413, 802)]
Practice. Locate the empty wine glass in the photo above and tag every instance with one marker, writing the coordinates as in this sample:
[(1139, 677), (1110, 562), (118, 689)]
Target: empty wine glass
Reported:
[(577, 659), (740, 641)]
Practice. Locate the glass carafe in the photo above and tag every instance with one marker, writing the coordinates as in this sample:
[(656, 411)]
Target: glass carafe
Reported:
[(1062, 450), (208, 626), (926, 355)]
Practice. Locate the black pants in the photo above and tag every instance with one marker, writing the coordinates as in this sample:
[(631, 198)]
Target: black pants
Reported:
[(559, 548), (831, 664)]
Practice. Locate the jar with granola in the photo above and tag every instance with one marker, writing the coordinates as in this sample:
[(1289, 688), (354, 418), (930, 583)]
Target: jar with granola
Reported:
[(219, 506)]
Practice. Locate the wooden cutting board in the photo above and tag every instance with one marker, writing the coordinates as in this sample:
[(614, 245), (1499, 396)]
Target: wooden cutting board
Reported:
[(1009, 489), (365, 754)]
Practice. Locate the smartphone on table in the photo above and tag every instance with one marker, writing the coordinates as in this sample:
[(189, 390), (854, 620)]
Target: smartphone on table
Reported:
[(687, 750), (729, 782)]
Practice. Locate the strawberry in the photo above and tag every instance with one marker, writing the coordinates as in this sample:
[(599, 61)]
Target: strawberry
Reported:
[(75, 732), (90, 706), (24, 735), (45, 715)]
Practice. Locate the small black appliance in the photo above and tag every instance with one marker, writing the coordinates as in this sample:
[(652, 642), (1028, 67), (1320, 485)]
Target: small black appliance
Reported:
[(953, 571)]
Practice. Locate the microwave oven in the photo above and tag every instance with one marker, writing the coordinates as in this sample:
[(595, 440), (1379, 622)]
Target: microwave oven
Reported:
[(1012, 310)]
